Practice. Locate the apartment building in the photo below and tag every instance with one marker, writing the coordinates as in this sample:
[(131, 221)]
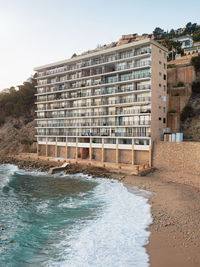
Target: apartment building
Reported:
[(107, 105)]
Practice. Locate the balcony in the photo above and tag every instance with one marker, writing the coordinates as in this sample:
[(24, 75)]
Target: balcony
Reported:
[(91, 63), (94, 134), (95, 114)]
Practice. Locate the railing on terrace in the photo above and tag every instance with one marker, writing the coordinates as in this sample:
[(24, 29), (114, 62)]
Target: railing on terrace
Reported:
[(92, 63), (142, 111), (80, 134), (103, 92), (101, 103), (75, 85), (134, 123)]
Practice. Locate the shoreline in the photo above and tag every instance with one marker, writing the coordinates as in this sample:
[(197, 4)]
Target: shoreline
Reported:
[(175, 232)]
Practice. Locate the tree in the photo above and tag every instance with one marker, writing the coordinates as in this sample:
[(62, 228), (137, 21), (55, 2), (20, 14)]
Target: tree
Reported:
[(190, 28), (158, 32), (196, 37), (173, 47), (171, 33), (18, 103)]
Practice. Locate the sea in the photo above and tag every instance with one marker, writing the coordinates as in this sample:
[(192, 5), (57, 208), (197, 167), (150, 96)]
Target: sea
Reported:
[(71, 220)]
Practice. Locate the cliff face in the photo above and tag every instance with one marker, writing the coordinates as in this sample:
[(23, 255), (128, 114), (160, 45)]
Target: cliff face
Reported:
[(184, 99), (191, 126), (17, 135)]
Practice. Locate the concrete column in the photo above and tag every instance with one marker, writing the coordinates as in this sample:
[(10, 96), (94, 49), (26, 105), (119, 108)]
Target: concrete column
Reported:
[(102, 150), (37, 149), (133, 152), (150, 155), (117, 151), (90, 152), (56, 148), (76, 148), (66, 149), (46, 149)]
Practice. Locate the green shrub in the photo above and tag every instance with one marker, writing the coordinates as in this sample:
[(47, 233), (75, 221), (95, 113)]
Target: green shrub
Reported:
[(196, 37), (169, 66), (2, 120), (172, 111), (179, 84), (187, 112), (196, 87), (195, 61)]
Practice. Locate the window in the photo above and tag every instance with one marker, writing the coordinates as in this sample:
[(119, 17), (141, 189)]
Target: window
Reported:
[(164, 66), (160, 62), (160, 73), (164, 110), (164, 88), (159, 118), (164, 120), (159, 84), (164, 77)]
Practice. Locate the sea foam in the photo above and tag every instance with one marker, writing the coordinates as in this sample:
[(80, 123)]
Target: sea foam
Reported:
[(116, 237), (6, 173)]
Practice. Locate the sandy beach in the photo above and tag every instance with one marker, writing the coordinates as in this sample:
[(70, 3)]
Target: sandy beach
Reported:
[(175, 232), (175, 201)]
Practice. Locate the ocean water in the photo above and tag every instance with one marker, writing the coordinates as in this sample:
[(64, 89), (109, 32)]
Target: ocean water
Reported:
[(70, 220)]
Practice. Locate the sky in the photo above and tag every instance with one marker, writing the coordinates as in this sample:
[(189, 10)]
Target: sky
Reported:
[(38, 32)]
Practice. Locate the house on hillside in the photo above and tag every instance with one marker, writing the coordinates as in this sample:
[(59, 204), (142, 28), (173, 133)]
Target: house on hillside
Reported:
[(193, 50), (186, 41)]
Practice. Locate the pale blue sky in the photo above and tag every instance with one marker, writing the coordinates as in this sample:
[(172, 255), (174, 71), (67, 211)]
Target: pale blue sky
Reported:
[(37, 32)]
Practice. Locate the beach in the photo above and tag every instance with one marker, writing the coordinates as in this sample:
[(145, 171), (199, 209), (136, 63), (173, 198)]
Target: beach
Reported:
[(175, 233)]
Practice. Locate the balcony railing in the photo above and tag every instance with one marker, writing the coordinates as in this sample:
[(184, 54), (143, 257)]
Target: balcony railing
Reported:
[(96, 134), (100, 103), (94, 114), (99, 93), (94, 124), (92, 63)]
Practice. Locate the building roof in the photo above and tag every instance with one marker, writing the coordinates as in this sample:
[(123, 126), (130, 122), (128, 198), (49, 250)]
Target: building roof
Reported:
[(100, 51), (182, 38)]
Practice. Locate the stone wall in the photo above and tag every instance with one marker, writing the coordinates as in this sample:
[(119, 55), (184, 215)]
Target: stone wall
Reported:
[(42, 150), (125, 156), (61, 152), (71, 152), (97, 154), (110, 155), (178, 97), (174, 156), (141, 157), (51, 151)]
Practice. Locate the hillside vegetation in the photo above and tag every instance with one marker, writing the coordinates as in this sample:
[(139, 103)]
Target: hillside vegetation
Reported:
[(190, 116), (17, 126), (17, 103)]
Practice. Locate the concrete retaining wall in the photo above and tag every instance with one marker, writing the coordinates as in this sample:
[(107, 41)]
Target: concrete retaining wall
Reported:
[(183, 156)]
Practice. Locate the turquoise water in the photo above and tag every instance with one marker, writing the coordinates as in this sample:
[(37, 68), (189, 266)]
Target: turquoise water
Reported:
[(70, 221)]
